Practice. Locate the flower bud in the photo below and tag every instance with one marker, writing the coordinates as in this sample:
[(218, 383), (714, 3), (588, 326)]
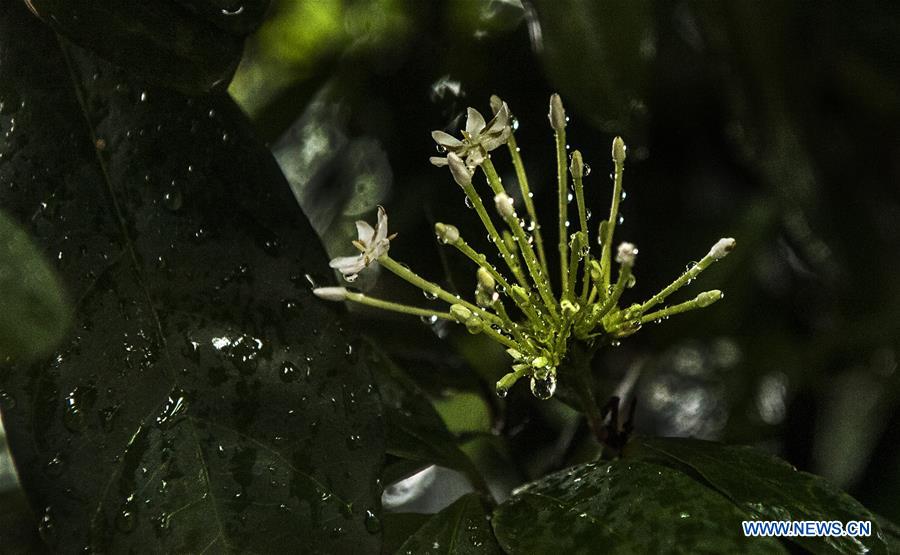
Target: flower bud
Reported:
[(603, 232), (485, 279), (519, 295), (721, 249), (331, 293), (474, 325), (458, 170), (557, 113), (618, 150), (446, 233), (576, 166), (626, 253), (460, 313), (707, 298), (504, 205)]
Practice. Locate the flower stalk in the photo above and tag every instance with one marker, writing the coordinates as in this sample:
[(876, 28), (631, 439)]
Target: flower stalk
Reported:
[(548, 327)]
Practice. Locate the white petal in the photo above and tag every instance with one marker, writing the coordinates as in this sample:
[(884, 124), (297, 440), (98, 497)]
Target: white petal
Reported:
[(474, 122), (381, 226), (474, 158), (445, 139), (500, 120), (348, 264), (365, 232), (438, 161)]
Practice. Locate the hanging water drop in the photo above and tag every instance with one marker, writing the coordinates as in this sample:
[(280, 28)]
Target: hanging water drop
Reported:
[(543, 387), (586, 169), (430, 320), (469, 203), (429, 295)]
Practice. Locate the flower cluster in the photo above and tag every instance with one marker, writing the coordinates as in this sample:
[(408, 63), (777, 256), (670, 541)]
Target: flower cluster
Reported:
[(519, 307)]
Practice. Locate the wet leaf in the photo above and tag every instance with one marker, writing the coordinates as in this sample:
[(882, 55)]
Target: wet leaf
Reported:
[(206, 400), (398, 527), (622, 507), (33, 311), (460, 529), (191, 47), (767, 488), (414, 430), (600, 55)]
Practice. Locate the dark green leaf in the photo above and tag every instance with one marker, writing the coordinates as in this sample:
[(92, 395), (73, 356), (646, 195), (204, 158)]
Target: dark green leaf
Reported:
[(206, 401), (191, 47), (33, 310), (622, 507), (891, 533), (460, 529), (414, 430), (600, 55), (398, 527), (767, 488)]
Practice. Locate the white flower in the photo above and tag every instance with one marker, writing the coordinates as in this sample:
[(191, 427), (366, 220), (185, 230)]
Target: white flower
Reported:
[(626, 254), (479, 137), (372, 243)]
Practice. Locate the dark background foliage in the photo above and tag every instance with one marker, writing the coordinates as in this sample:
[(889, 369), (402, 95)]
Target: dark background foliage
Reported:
[(776, 123)]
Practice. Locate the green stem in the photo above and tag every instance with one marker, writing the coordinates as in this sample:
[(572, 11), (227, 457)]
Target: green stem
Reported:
[(481, 260), (563, 210), (396, 307), (531, 262), (508, 257), (606, 253), (578, 178), (612, 298), (408, 275), (686, 306), (680, 282), (522, 177)]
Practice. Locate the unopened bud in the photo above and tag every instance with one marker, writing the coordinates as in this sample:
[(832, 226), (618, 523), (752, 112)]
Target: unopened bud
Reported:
[(519, 295), (721, 249), (576, 166), (474, 325), (460, 313), (515, 354), (458, 170), (618, 150), (626, 254), (446, 233), (485, 279), (331, 293), (540, 362), (557, 113), (707, 298), (603, 232), (504, 205)]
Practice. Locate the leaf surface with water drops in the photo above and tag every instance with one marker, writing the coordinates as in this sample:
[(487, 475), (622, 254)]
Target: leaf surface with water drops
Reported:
[(190, 45), (622, 507), (205, 399), (766, 487), (463, 528)]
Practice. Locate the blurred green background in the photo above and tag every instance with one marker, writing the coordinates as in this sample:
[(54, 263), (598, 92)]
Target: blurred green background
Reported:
[(773, 122), (776, 123)]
